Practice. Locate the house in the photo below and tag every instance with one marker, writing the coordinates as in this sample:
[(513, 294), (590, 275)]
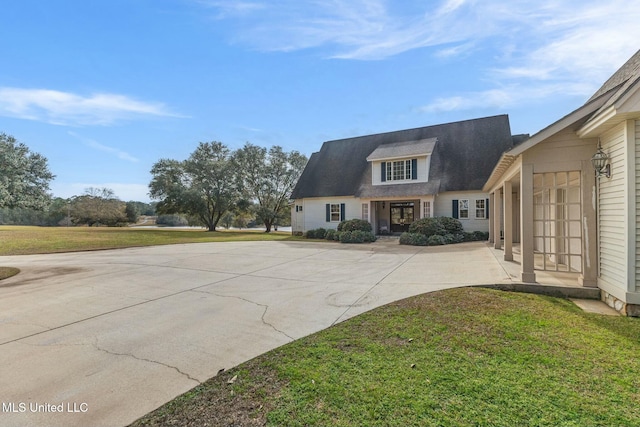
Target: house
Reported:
[(392, 179), (570, 195)]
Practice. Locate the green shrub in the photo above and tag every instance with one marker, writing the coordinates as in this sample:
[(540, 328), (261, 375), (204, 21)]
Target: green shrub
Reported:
[(435, 240), (449, 239), (330, 234), (480, 236), (317, 233), (356, 236), (415, 239), (467, 237), (451, 225), (427, 227), (354, 224)]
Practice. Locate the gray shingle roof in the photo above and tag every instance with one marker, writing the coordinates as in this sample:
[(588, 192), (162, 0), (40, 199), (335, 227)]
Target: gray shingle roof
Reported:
[(621, 79), (462, 160)]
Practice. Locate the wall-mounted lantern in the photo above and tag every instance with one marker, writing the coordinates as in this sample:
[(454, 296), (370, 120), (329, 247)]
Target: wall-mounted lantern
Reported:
[(600, 162)]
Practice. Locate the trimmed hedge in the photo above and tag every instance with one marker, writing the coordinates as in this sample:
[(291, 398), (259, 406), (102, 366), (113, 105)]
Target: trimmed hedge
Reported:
[(439, 231), (354, 225), (332, 235), (355, 236), (318, 233), (427, 227), (415, 239)]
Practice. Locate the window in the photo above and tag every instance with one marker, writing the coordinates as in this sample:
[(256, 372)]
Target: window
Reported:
[(335, 212), (365, 211), (298, 208), (401, 170), (480, 209), (426, 209), (463, 206)]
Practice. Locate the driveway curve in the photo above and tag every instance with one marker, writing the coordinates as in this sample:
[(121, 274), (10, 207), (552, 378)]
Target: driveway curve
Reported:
[(102, 338)]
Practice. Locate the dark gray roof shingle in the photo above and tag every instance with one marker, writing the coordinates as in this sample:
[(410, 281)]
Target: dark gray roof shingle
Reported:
[(462, 160), (625, 76)]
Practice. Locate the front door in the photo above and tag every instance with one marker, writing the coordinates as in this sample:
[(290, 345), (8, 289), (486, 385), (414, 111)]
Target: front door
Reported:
[(401, 216)]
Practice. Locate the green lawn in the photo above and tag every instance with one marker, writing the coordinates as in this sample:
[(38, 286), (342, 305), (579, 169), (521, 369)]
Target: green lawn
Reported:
[(19, 240), (460, 357)]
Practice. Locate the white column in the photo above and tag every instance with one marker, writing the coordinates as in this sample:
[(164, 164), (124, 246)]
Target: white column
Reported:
[(589, 274), (508, 220), (497, 200), (492, 232), (526, 224)]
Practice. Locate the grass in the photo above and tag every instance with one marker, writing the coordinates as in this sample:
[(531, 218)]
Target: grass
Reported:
[(19, 240), (6, 272), (460, 357)]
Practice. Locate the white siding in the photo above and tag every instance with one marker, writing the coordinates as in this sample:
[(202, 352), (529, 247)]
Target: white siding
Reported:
[(314, 211), (444, 203), (637, 177), (611, 209)]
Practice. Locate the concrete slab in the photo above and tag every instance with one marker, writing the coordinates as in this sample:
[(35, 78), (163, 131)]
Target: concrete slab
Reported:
[(108, 336), (595, 306)]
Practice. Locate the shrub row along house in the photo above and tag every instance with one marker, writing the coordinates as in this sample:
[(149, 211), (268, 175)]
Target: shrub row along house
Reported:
[(568, 196)]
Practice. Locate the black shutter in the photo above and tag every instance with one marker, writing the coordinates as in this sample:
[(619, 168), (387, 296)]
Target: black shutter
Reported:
[(342, 208), (455, 209), (328, 211), (414, 168), (383, 171), (486, 208)]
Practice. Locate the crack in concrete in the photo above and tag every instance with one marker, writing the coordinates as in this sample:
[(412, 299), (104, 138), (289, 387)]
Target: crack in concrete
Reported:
[(142, 359), (264, 313), (373, 287)]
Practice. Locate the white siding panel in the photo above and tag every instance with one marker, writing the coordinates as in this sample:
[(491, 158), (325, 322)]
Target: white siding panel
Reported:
[(444, 203), (612, 203), (314, 211), (637, 210)]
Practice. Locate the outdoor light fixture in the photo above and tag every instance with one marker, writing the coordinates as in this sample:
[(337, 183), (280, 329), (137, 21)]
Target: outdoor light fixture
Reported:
[(600, 162)]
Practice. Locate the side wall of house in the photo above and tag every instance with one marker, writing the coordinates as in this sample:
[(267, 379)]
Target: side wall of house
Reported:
[(314, 213), (637, 207), (612, 213), (444, 203)]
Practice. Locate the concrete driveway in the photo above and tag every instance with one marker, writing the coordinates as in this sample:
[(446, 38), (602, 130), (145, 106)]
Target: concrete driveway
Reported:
[(101, 338)]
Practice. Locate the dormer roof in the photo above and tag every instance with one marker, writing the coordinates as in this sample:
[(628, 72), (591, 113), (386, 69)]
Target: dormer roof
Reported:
[(399, 150)]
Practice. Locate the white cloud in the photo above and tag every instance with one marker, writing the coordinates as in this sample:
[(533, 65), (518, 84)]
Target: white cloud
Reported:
[(538, 46), (123, 155), (65, 108)]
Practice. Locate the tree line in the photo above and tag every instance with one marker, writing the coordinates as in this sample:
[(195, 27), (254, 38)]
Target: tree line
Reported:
[(215, 180), (214, 185)]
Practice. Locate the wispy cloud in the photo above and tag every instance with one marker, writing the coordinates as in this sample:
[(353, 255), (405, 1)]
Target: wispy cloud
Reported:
[(123, 155), (538, 46), (65, 108), (226, 9)]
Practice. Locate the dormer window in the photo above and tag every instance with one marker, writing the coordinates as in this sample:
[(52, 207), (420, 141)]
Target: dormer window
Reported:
[(401, 162), (400, 170)]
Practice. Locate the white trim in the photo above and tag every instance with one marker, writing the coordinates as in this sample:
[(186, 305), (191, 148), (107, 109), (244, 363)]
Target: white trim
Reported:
[(460, 209), (484, 208), (630, 215)]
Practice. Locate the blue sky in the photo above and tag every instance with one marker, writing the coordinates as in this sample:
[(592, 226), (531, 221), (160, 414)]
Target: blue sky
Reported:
[(106, 88)]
